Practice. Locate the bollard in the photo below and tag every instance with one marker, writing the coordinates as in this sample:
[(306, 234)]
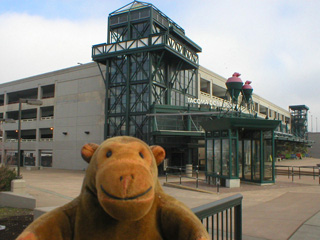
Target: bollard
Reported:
[(166, 177), (299, 173), (288, 172), (197, 182), (292, 174), (318, 165), (180, 175)]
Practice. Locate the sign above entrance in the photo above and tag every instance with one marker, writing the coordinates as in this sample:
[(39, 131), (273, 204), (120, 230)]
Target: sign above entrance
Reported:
[(210, 102)]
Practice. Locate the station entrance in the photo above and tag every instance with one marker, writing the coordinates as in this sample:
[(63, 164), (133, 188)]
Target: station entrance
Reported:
[(240, 149)]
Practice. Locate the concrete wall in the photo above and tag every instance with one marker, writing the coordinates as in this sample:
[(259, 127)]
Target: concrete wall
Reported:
[(78, 111), (79, 105), (315, 150)]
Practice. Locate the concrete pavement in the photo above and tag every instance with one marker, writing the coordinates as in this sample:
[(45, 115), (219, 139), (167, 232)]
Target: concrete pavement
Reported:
[(286, 210)]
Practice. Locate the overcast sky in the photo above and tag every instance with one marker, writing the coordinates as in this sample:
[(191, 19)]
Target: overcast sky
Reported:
[(274, 44)]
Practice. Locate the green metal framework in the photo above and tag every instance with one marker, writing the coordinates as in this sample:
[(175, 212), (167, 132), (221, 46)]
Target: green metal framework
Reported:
[(299, 120), (241, 148), (149, 63)]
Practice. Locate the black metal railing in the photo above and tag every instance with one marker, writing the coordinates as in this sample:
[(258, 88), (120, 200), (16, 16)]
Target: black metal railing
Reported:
[(184, 172), (193, 173), (222, 218), (298, 171)]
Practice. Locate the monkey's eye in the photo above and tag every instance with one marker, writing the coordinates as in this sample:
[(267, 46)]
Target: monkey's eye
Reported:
[(141, 155), (109, 153)]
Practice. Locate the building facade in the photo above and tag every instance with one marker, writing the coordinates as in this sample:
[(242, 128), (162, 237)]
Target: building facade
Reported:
[(146, 82), (71, 114)]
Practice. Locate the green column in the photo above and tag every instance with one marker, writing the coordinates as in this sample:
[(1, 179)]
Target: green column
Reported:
[(189, 120), (273, 155), (230, 153), (128, 96), (106, 109), (261, 157)]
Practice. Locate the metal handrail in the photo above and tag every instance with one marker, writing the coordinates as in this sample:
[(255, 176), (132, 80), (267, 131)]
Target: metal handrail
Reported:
[(292, 170), (212, 215), (183, 171)]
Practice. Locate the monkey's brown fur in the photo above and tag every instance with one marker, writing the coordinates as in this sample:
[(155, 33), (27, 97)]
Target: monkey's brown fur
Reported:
[(121, 199)]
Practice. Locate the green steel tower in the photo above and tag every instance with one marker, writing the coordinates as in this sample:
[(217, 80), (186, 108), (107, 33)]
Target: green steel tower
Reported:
[(299, 120), (149, 62)]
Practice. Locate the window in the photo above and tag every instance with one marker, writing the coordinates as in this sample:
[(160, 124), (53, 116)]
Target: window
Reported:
[(1, 99), (210, 156), (11, 157), (204, 86), (47, 112), (46, 134), (46, 158), (29, 158), (47, 91), (14, 97)]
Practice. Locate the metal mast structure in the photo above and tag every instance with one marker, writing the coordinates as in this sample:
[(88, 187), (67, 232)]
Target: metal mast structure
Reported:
[(148, 62), (299, 120)]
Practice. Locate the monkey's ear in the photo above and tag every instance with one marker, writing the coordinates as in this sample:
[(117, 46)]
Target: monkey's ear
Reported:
[(159, 153), (88, 150)]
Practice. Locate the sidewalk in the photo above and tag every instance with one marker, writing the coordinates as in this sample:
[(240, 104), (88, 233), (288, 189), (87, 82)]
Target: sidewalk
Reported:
[(309, 230), (285, 210)]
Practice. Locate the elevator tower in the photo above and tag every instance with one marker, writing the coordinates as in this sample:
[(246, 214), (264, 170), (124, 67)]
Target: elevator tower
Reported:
[(299, 120), (149, 62)]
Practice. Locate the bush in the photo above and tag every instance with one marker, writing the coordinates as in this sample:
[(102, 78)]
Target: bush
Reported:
[(6, 176)]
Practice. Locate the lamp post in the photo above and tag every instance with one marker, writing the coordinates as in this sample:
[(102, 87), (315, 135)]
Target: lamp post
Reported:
[(29, 102)]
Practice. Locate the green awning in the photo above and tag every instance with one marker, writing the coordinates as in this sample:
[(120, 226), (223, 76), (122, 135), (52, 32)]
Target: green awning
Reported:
[(178, 133), (235, 123)]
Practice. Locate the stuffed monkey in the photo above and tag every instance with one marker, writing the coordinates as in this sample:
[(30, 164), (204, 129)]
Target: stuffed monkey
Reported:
[(121, 199)]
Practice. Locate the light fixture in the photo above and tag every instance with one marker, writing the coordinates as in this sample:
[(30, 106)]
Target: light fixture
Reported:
[(86, 132), (51, 128), (64, 133)]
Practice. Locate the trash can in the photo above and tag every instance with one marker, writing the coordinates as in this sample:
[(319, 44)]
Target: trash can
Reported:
[(189, 170), (165, 164)]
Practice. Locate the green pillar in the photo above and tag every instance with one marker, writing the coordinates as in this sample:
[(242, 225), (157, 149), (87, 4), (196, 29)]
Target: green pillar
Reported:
[(261, 157), (189, 120), (230, 153), (106, 104), (273, 157)]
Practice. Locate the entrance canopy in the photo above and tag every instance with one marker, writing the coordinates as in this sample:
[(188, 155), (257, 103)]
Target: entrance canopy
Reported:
[(233, 123), (240, 148)]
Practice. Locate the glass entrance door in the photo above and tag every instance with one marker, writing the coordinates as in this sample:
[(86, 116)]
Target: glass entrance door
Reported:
[(247, 157), (240, 160), (256, 160)]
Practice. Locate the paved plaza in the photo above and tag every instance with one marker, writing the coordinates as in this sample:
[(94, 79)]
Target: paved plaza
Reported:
[(286, 210)]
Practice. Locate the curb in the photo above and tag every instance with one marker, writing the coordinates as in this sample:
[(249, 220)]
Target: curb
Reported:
[(175, 185)]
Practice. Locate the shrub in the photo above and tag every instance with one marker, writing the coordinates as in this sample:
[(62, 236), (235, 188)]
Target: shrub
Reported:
[(6, 176)]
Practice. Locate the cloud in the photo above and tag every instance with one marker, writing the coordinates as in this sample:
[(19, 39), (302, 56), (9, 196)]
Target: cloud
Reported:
[(33, 45), (273, 43)]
